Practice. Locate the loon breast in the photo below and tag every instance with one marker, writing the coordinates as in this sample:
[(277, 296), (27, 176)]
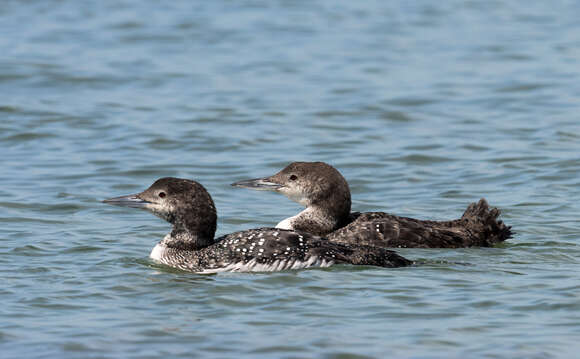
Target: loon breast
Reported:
[(158, 252)]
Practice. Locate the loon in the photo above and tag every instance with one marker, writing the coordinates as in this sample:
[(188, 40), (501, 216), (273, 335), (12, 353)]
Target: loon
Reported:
[(325, 193), (191, 246)]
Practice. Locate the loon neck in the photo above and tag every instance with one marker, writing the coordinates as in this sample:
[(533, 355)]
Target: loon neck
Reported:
[(187, 240), (192, 232), (325, 213), (314, 220)]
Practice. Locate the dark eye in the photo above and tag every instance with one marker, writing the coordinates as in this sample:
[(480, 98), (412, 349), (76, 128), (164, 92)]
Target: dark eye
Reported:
[(161, 195), (293, 178)]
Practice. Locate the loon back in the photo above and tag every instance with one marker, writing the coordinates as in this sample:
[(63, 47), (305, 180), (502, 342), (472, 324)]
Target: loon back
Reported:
[(478, 227)]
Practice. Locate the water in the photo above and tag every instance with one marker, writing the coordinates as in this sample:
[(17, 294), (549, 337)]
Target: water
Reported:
[(424, 107)]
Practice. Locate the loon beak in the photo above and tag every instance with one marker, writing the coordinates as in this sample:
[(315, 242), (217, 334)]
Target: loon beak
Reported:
[(128, 201), (260, 184)]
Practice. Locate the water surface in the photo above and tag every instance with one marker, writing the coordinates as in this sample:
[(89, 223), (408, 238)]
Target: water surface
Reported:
[(424, 108)]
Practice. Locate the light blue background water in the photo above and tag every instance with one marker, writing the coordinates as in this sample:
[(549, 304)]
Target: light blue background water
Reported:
[(423, 106)]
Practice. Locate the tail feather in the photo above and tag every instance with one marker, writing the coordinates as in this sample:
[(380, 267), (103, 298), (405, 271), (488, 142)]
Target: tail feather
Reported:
[(483, 222)]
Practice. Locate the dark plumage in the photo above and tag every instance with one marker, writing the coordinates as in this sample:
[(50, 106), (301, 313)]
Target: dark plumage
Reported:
[(191, 246), (477, 227), (326, 195)]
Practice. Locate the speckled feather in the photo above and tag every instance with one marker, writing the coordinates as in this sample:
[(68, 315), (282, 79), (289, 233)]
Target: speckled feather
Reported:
[(477, 227), (271, 249)]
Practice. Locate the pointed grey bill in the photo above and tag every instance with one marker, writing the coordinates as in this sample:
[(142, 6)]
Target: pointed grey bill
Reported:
[(127, 201), (261, 184)]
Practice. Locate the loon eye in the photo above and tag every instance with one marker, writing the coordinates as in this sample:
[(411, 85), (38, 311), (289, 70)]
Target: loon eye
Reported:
[(293, 178), (161, 194)]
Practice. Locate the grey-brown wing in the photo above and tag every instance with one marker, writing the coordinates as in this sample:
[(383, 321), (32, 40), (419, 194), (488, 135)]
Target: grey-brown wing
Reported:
[(385, 230)]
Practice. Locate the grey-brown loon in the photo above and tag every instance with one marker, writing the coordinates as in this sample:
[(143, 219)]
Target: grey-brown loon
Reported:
[(326, 195), (191, 246)]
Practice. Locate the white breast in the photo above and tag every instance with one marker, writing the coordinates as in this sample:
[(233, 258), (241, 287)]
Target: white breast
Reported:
[(286, 224), (157, 252)]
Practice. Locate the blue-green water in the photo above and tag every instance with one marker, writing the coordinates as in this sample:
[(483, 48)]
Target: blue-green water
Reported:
[(423, 106)]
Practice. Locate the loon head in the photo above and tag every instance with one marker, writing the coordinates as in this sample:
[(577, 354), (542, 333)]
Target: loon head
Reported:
[(184, 203), (315, 185)]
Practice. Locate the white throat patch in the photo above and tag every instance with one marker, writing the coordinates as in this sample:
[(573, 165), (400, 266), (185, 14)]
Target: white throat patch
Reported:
[(286, 224), (295, 195)]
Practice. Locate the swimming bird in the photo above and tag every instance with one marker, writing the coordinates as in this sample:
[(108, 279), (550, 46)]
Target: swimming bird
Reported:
[(326, 195), (191, 246)]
